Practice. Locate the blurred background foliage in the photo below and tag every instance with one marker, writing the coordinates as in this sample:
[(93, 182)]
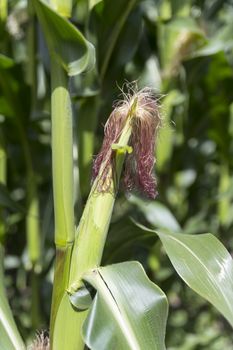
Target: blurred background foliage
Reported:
[(184, 50)]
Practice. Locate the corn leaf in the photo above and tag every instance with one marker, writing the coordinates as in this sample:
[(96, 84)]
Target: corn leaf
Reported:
[(205, 265), (116, 28), (128, 311), (65, 42)]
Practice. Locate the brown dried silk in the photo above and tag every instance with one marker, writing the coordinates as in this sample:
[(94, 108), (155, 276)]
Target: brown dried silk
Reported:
[(138, 170)]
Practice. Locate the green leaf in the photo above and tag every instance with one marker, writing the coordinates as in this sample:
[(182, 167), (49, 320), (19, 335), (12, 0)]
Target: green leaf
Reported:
[(68, 322), (65, 42), (156, 214), (81, 299), (112, 24), (9, 335), (205, 265), (128, 312)]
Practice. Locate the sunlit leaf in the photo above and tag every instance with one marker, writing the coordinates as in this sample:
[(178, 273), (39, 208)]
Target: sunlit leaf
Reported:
[(65, 42), (205, 265), (128, 311)]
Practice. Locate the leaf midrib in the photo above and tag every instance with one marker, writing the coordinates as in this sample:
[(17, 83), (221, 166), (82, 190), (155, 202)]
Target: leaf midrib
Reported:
[(121, 319)]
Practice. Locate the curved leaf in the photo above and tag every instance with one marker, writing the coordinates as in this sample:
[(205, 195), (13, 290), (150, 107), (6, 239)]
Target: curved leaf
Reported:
[(128, 312), (68, 321), (65, 42), (205, 265)]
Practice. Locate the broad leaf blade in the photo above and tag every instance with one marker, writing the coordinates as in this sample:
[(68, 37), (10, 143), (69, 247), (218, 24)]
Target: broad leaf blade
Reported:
[(65, 42), (128, 312), (205, 265)]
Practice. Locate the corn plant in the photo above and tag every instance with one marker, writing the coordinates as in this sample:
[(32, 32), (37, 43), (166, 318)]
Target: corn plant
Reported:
[(98, 305)]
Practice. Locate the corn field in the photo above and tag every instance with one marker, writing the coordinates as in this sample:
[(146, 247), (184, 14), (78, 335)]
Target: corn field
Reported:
[(116, 204)]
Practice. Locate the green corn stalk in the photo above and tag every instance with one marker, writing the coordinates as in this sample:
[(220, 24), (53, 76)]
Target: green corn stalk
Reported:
[(62, 162)]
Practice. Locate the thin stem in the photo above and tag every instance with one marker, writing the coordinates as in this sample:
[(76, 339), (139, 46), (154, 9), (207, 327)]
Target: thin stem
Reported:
[(32, 55), (3, 169)]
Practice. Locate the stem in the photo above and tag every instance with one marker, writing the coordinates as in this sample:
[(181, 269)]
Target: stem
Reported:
[(62, 157), (62, 162), (32, 55)]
